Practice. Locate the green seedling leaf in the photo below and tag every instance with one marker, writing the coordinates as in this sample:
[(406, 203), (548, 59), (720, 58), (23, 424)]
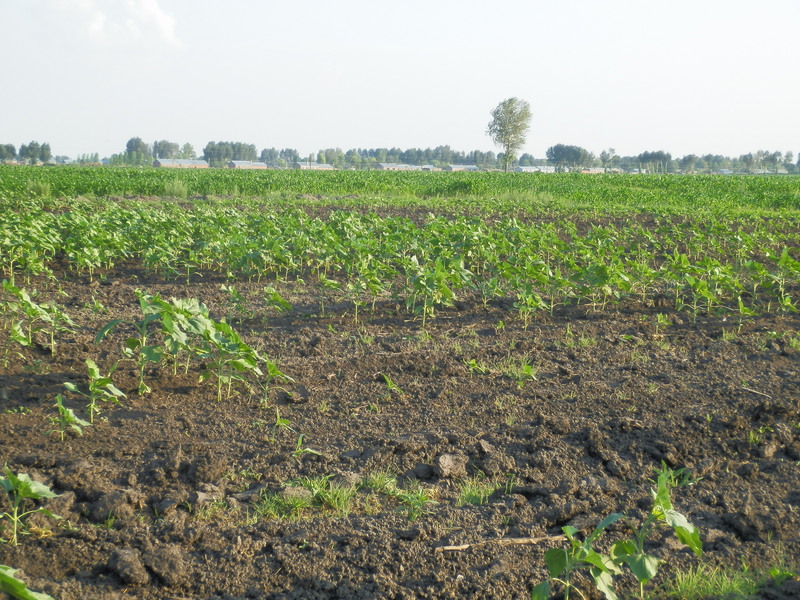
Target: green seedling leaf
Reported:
[(152, 354), (541, 591), (273, 298), (16, 588), (622, 549), (609, 520), (598, 561), (605, 583), (18, 335), (556, 559), (106, 329), (22, 486), (686, 532), (643, 566)]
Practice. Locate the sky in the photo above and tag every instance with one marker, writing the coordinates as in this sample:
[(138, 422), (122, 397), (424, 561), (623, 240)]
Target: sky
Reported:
[(686, 76)]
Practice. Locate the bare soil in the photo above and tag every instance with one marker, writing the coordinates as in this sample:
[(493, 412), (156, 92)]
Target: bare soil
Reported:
[(158, 497)]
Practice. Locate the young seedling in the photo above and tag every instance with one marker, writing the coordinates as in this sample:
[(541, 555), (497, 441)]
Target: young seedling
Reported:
[(66, 421), (631, 552), (274, 300), (561, 563), (627, 552), (391, 387), (136, 347), (44, 317), (238, 303), (227, 356), (16, 588), (19, 488), (100, 389), (662, 322), (299, 451), (281, 422)]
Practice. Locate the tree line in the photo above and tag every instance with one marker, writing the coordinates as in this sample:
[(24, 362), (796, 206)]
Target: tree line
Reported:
[(658, 161), (33, 152), (562, 157)]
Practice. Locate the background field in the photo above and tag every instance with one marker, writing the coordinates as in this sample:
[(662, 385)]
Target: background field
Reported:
[(445, 359)]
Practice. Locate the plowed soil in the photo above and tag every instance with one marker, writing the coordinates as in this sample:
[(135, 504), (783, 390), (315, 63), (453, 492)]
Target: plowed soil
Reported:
[(159, 498)]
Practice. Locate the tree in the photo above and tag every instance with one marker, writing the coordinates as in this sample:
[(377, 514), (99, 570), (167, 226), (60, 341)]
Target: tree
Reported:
[(657, 161), (608, 158), (689, 162), (45, 153), (165, 149), (511, 120), (187, 151), (30, 152), (7, 152), (137, 152), (572, 156)]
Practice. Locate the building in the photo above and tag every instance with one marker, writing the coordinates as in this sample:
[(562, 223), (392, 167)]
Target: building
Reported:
[(396, 167), (246, 164), (180, 163), (313, 166), (462, 168), (536, 169)]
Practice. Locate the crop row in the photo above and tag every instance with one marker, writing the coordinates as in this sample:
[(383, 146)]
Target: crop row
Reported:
[(747, 265), (716, 193)]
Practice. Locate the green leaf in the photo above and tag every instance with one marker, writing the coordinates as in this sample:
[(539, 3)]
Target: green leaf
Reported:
[(610, 519), (621, 550), (152, 354), (22, 486), (643, 566), (18, 335), (686, 532), (569, 531), (556, 559), (28, 488), (541, 591), (605, 583), (599, 561), (107, 328), (91, 366), (16, 587)]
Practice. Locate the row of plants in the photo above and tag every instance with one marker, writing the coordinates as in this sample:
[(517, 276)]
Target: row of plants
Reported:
[(601, 191), (746, 266)]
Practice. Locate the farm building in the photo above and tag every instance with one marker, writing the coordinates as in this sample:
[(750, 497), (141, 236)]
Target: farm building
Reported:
[(539, 169), (246, 164), (462, 168), (313, 166), (180, 163), (396, 167)]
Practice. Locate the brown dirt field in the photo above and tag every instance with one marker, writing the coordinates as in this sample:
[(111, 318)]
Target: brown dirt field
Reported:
[(158, 497)]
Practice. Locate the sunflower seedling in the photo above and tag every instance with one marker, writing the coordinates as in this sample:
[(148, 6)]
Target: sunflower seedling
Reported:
[(100, 389), (16, 588), (228, 357), (136, 347), (66, 421), (19, 488), (626, 552)]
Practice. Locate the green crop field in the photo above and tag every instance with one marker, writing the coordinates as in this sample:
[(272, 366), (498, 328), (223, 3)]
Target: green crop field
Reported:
[(234, 384)]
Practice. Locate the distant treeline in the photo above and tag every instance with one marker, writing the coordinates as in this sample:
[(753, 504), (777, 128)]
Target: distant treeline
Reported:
[(561, 156)]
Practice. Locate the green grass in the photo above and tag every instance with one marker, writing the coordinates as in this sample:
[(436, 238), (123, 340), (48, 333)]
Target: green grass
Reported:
[(704, 581), (475, 490)]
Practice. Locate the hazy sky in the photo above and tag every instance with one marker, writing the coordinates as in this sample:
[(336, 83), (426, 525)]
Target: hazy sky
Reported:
[(686, 76)]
